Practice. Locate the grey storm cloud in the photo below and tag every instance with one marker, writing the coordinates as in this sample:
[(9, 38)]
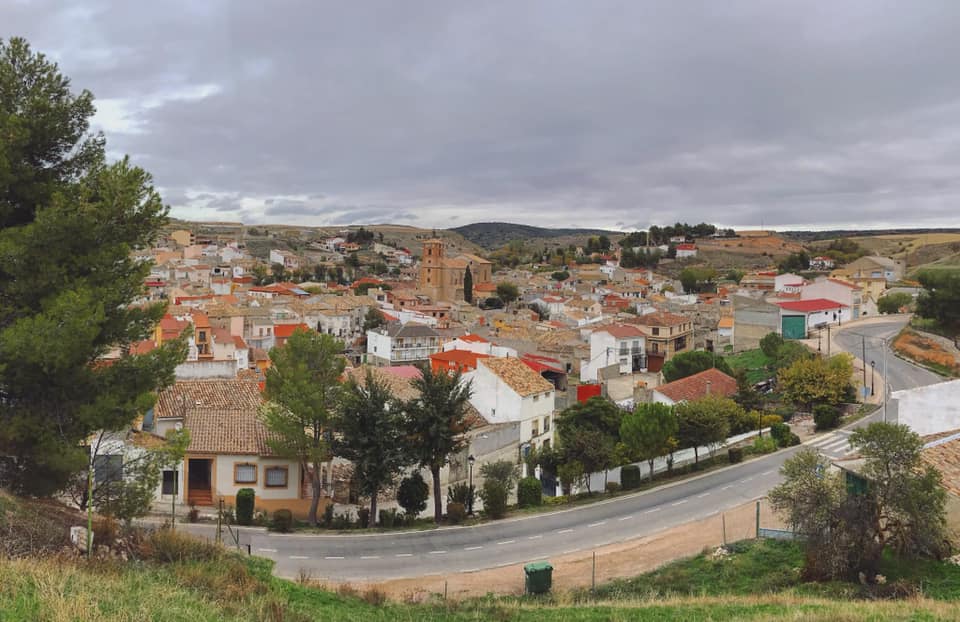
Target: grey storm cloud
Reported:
[(546, 112)]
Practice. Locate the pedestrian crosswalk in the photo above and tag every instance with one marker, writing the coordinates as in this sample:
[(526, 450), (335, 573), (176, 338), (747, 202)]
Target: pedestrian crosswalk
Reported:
[(835, 444)]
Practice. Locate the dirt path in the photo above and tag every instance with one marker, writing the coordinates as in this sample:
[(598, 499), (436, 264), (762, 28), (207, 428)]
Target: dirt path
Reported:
[(625, 559)]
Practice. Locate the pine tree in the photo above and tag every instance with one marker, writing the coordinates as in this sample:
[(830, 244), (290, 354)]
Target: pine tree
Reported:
[(468, 286), (68, 223)]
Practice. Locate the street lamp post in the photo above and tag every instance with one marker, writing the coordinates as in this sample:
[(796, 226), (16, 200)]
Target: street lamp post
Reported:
[(470, 461), (873, 373)]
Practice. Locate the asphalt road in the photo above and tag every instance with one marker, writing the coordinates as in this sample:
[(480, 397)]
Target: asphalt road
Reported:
[(541, 536)]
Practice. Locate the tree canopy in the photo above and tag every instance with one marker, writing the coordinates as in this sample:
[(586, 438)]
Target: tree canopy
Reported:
[(693, 362), (817, 380), (507, 292), (940, 298), (703, 422), (436, 423), (649, 432), (304, 392), (68, 223)]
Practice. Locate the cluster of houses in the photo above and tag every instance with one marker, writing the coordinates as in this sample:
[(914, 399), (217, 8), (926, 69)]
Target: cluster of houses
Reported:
[(795, 307), (603, 330)]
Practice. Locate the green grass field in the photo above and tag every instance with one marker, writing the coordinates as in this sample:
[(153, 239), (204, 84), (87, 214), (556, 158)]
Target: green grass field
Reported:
[(754, 362), (759, 581)]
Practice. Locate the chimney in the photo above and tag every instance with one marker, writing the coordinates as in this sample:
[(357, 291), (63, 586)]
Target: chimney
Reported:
[(708, 387)]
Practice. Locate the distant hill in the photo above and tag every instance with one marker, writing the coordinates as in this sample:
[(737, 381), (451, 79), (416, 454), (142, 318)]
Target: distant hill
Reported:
[(493, 235)]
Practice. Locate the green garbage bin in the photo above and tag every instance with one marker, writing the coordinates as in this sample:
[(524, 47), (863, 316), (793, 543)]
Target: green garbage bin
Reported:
[(539, 577)]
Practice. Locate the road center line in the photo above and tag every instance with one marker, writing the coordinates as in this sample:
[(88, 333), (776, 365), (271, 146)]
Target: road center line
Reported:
[(652, 511), (701, 496), (768, 472), (436, 552), (472, 548), (564, 531), (268, 550), (330, 557), (603, 522), (506, 542), (745, 480), (301, 557), (680, 502), (369, 557), (404, 555), (625, 518), (534, 537), (726, 487)]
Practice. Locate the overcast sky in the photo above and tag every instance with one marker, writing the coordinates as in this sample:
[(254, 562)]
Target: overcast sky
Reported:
[(600, 114)]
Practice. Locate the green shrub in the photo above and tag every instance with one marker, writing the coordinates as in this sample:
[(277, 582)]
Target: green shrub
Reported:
[(342, 521), (494, 496), (246, 498), (460, 493), (612, 487), (363, 517), (327, 520), (630, 477), (455, 513), (735, 455), (413, 493), (388, 518), (502, 470), (282, 521), (825, 417), (558, 500), (529, 492), (781, 434), (765, 445)]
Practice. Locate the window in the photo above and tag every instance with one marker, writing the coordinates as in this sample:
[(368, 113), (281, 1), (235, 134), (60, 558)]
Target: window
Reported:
[(203, 335), (107, 469), (276, 477), (536, 398), (245, 473), (656, 331), (170, 483), (546, 425)]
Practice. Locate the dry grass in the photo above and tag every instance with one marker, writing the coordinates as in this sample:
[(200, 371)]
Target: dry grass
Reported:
[(926, 351)]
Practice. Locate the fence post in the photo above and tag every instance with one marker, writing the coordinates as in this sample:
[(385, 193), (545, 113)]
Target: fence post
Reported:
[(758, 519), (593, 575), (723, 518), (220, 522)]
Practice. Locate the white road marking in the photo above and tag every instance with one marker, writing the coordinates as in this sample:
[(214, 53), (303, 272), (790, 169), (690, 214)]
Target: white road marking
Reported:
[(472, 548), (506, 542), (652, 511), (534, 537), (726, 488), (301, 557), (829, 438), (701, 496), (504, 564), (680, 502), (436, 552), (745, 480), (369, 557), (568, 551), (564, 531), (268, 550), (332, 557), (767, 472), (603, 522), (404, 555), (471, 570), (625, 518)]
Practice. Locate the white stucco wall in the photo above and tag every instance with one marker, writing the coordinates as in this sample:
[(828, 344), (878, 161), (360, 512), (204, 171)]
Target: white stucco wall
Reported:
[(225, 486), (931, 409)]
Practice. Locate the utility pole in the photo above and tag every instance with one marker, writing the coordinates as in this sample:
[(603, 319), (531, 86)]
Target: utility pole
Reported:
[(863, 360), (828, 341), (885, 385)]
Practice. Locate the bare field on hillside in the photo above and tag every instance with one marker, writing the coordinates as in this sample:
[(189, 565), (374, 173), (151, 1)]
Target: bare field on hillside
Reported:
[(772, 245)]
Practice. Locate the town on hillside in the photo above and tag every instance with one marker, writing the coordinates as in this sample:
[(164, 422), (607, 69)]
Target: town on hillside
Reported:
[(532, 338)]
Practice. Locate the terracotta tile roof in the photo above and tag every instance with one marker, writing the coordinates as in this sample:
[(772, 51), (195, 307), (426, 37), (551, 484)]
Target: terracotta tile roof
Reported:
[(400, 387), (470, 337), (228, 432), (725, 322), (661, 318), (186, 396), (462, 357), (944, 456), (621, 331), (694, 387), (517, 375)]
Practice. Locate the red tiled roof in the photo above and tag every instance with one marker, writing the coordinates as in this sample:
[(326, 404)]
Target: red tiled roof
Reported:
[(541, 364), (621, 331), (695, 387), (686, 247), (810, 306), (409, 372), (458, 357), (142, 347), (470, 337), (285, 330)]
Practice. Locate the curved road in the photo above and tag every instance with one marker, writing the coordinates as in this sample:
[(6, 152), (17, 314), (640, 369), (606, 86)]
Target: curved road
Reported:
[(503, 543)]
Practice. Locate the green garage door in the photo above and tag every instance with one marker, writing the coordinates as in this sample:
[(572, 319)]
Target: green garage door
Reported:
[(794, 326)]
